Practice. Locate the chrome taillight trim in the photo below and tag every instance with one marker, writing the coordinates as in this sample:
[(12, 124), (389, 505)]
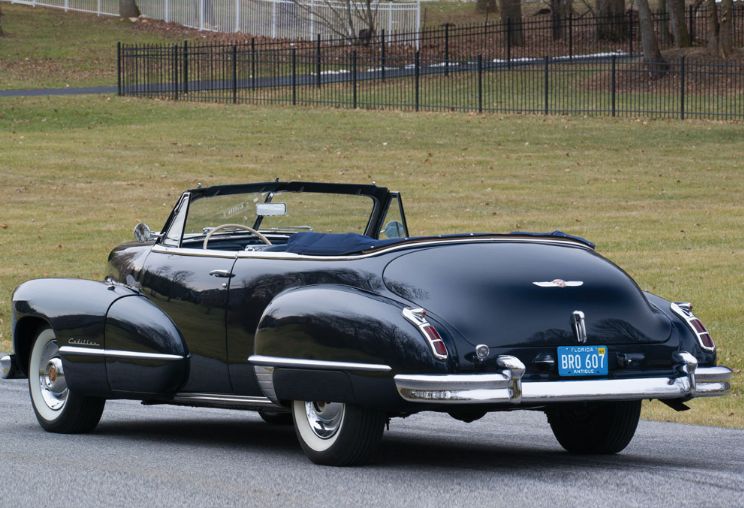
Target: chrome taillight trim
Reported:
[(417, 317), (684, 310)]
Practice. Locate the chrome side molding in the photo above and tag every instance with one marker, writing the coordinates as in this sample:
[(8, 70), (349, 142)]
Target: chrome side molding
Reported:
[(222, 401), (115, 353), (301, 363)]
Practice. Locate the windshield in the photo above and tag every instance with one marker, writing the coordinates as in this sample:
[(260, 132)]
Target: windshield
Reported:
[(281, 212)]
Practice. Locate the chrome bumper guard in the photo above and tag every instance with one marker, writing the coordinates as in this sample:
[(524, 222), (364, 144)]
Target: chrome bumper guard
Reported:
[(507, 386), (8, 368)]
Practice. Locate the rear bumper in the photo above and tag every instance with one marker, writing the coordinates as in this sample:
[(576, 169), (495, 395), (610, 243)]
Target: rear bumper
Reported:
[(9, 369), (507, 386)]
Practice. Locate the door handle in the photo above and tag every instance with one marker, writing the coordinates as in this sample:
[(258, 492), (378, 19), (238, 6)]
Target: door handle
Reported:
[(221, 273)]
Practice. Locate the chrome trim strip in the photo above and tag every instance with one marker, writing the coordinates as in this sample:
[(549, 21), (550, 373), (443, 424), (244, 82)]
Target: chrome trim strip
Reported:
[(276, 361), (290, 255), (115, 353), (507, 388), (220, 399)]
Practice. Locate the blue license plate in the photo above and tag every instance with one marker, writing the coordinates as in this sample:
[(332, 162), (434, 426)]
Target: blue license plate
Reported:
[(582, 360)]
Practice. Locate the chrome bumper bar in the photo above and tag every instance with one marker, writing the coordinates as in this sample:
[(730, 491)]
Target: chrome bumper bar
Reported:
[(9, 369), (507, 386)]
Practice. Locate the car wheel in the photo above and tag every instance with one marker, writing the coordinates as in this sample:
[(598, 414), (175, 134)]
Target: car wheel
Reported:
[(337, 434), (57, 408), (601, 427), (275, 417)]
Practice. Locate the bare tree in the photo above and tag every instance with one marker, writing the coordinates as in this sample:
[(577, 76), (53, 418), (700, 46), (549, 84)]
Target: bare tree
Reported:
[(128, 9), (1, 22), (676, 10), (355, 20), (511, 18), (655, 63), (560, 10), (726, 29), (611, 20), (712, 25)]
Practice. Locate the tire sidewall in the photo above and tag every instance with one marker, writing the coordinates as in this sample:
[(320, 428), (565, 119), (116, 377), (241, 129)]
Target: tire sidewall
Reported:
[(306, 435), (45, 414)]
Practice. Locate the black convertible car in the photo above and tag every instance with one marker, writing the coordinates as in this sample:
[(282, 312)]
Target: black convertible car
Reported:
[(312, 304)]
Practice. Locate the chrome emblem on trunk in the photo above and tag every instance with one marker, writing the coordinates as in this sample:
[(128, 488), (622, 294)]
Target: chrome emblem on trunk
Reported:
[(560, 283), (579, 326)]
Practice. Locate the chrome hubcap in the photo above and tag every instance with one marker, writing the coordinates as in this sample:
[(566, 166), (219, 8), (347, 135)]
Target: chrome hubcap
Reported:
[(325, 418), (52, 378)]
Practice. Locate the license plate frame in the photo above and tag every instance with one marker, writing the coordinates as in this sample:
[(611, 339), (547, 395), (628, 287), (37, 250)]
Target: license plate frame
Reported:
[(582, 361)]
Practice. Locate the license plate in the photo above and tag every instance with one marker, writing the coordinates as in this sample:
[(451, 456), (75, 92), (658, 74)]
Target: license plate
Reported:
[(582, 360)]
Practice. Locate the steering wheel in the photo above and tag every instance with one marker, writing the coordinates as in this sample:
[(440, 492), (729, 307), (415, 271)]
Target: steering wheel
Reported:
[(235, 226)]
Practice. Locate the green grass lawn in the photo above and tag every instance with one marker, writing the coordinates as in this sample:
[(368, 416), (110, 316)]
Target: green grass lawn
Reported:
[(46, 47), (660, 198)]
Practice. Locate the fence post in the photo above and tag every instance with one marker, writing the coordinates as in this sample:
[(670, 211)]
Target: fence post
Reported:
[(446, 49), (253, 63), (167, 11), (382, 54), (682, 86), (175, 71), (691, 23), (630, 31), (294, 76), (201, 14), (273, 19), (235, 74), (67, 5), (98, 8), (418, 24), (570, 36), (185, 67), (118, 68), (238, 4), (417, 69), (480, 83), (317, 61), (354, 77), (546, 84), (508, 42), (613, 85), (312, 18)]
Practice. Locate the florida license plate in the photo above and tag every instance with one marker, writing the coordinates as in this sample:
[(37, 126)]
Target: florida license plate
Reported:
[(582, 360)]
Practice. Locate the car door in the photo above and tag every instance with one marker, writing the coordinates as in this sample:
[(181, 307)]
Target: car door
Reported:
[(191, 286)]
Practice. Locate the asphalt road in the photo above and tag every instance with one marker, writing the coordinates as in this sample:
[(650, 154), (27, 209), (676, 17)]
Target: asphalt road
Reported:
[(173, 456)]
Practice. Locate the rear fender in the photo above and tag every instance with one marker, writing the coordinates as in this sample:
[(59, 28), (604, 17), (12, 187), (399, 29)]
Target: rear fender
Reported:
[(340, 325)]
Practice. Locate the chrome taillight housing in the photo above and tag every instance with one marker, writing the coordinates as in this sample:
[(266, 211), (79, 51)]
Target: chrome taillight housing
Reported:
[(418, 318), (684, 310)]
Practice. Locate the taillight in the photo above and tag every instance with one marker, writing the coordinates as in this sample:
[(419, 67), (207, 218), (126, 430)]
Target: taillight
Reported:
[(418, 318), (684, 310)]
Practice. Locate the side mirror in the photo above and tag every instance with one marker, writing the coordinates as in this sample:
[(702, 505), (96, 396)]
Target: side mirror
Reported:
[(143, 233), (394, 229)]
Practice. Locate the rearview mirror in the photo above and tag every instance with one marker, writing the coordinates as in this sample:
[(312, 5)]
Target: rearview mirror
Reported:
[(270, 209), (143, 233)]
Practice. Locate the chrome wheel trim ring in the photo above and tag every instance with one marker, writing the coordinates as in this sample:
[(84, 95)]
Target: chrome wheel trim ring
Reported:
[(324, 418), (49, 391)]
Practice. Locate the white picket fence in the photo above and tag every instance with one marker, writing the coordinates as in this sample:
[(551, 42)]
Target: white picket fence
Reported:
[(290, 19)]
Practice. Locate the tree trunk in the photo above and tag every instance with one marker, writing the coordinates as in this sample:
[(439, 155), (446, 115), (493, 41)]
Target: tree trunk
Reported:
[(655, 63), (128, 9), (511, 15), (726, 34), (1, 22), (665, 35), (676, 10), (711, 25), (560, 10), (611, 20)]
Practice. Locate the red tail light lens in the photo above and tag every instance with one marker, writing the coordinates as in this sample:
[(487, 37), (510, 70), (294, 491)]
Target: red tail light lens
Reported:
[(685, 312), (418, 318)]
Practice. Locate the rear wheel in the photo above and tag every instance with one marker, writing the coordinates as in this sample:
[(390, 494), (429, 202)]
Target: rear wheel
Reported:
[(57, 408), (337, 434), (595, 427)]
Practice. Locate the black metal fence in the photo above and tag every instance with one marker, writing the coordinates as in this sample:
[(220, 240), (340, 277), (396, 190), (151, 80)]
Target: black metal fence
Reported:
[(473, 68)]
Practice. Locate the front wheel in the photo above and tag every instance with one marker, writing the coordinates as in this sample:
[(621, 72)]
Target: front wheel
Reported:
[(57, 408), (337, 434), (595, 427)]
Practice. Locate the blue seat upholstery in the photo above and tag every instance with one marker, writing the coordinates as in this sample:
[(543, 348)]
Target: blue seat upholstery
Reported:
[(334, 244)]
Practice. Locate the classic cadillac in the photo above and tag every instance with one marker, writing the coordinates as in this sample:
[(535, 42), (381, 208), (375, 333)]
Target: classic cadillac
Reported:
[(311, 304)]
